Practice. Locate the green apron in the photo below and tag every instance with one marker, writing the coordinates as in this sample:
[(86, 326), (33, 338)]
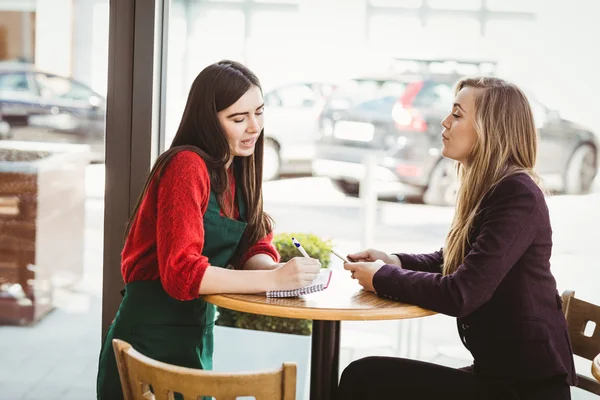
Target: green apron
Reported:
[(166, 329)]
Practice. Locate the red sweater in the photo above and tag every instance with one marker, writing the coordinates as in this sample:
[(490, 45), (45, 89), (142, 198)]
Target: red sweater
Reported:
[(167, 237)]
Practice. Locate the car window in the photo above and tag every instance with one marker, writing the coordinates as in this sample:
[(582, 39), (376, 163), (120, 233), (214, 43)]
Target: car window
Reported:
[(380, 105), (14, 82), (439, 95), (52, 86), (360, 92), (295, 96)]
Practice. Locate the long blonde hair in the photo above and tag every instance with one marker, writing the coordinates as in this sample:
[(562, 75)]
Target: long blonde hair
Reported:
[(506, 145)]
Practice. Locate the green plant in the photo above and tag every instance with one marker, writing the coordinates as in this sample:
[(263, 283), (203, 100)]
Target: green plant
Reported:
[(316, 248)]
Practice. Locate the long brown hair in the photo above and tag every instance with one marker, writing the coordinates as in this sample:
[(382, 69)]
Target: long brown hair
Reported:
[(506, 145), (217, 87)]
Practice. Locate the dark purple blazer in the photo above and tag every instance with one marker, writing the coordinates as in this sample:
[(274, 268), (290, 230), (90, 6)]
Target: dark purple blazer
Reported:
[(504, 296)]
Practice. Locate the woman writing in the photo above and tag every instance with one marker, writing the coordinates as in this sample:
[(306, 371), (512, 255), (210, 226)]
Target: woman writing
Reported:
[(201, 211), (493, 274)]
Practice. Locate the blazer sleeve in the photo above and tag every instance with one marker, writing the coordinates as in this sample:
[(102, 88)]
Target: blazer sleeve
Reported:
[(507, 229), (422, 262)]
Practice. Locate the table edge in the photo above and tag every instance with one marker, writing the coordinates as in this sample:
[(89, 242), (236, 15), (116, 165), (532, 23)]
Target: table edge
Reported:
[(325, 314)]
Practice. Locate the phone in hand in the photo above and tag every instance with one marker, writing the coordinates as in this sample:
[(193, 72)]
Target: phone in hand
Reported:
[(338, 255)]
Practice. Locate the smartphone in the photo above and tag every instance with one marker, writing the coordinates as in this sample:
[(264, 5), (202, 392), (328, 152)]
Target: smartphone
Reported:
[(338, 255)]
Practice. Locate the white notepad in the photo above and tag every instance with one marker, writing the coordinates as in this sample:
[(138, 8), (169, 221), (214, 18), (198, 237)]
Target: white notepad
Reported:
[(319, 284)]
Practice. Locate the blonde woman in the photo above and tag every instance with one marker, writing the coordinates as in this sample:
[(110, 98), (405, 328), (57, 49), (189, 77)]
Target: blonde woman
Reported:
[(493, 274)]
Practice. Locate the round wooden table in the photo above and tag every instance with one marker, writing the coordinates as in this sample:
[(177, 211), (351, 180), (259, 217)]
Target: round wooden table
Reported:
[(343, 300), (596, 367)]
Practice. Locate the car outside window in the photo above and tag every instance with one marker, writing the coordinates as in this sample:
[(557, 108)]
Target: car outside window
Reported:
[(52, 86), (296, 96), (14, 82)]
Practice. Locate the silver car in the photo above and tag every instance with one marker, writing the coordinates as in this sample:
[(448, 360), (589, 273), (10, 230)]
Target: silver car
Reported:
[(292, 115)]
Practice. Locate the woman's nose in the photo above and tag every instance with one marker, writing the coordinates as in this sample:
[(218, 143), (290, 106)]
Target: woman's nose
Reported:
[(445, 123), (253, 126)]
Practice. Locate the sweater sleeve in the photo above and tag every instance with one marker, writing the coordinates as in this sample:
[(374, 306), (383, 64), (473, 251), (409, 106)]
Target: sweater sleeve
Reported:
[(263, 246), (183, 194)]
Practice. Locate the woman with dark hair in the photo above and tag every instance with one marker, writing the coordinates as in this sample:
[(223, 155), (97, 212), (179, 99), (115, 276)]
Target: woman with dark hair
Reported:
[(199, 228)]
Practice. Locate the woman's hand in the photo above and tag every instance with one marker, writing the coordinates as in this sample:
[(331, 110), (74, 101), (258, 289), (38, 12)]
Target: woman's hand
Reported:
[(296, 273), (364, 272), (371, 255)]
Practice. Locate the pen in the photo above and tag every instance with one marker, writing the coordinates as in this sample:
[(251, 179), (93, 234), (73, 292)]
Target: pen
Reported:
[(300, 248), (338, 255)]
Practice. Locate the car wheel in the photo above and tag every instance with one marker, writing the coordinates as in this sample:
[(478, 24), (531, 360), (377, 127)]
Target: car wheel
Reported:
[(346, 187), (581, 170), (443, 185), (271, 161)]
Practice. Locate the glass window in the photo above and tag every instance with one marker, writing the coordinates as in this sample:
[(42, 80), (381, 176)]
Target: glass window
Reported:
[(380, 105), (515, 5), (453, 27), (278, 1), (58, 87), (14, 82), (359, 91), (540, 113), (455, 4), (265, 23), (397, 3), (56, 212), (436, 95), (393, 29), (296, 96)]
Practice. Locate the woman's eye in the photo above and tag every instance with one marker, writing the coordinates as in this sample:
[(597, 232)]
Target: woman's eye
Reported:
[(238, 121), (456, 115)]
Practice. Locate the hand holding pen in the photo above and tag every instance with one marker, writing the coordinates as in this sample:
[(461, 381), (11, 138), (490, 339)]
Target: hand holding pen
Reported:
[(300, 248), (297, 272)]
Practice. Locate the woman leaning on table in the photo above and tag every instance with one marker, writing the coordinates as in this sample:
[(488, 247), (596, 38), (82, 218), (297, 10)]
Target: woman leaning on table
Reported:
[(200, 211), (493, 274)]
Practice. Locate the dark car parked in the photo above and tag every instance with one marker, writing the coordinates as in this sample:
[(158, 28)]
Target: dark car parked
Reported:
[(400, 116), (51, 108)]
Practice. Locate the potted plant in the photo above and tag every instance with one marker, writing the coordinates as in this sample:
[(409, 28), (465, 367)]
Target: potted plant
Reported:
[(257, 342)]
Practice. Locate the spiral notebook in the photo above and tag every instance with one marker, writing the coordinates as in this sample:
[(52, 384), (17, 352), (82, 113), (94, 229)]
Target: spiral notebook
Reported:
[(319, 284)]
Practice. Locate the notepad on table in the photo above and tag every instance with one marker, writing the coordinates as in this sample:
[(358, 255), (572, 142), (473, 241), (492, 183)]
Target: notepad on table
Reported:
[(319, 284)]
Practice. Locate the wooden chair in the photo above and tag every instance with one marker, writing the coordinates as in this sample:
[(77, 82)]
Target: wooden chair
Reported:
[(138, 372), (578, 313)]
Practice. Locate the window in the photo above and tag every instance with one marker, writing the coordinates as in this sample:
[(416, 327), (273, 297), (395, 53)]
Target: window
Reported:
[(53, 86), (455, 4), (363, 91), (435, 94), (381, 105), (397, 3), (394, 30), (540, 114), (14, 82), (515, 5)]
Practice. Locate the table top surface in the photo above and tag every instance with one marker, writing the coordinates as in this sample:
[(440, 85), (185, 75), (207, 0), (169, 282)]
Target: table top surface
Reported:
[(596, 368), (343, 300)]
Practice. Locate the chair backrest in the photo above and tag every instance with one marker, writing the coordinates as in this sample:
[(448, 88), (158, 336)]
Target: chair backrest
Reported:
[(138, 373), (578, 314)]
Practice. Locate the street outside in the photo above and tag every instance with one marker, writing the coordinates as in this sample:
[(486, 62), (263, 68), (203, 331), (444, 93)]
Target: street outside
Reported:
[(57, 357)]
